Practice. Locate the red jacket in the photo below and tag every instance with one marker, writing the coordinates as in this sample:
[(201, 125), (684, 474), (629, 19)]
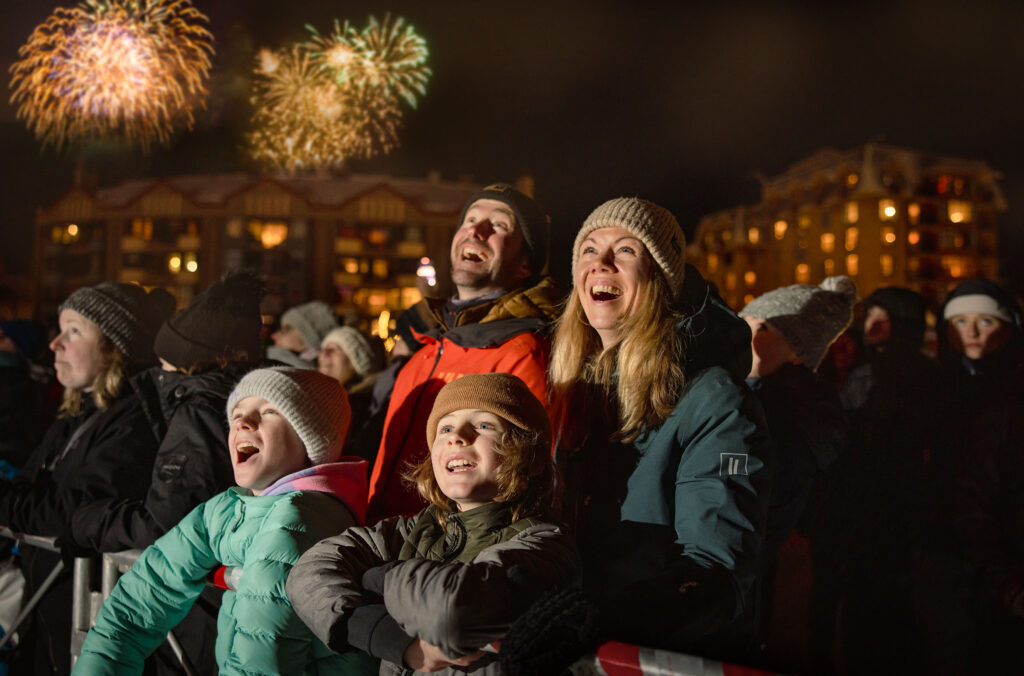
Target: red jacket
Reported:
[(499, 337)]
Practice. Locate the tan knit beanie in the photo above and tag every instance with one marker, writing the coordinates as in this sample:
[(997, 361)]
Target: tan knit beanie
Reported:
[(655, 226), (502, 394)]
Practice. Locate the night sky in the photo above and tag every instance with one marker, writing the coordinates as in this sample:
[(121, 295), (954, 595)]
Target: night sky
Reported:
[(682, 103)]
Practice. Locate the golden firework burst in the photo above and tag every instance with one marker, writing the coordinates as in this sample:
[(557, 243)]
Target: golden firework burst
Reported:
[(130, 70)]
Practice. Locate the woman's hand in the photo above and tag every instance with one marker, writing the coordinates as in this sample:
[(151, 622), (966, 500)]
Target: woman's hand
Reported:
[(427, 658)]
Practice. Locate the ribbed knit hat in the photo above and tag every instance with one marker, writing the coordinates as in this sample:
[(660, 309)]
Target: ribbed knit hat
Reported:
[(808, 317), (126, 314), (365, 360), (313, 321), (533, 222), (315, 405), (502, 394), (655, 226), (223, 318)]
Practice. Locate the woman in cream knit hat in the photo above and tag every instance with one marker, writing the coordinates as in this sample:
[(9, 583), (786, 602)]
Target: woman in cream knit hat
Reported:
[(660, 445)]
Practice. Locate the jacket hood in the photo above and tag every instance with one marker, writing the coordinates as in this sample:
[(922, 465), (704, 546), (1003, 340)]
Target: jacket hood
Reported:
[(345, 480), (906, 310), (713, 334)]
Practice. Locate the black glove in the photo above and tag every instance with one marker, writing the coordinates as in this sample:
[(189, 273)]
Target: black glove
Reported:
[(557, 630)]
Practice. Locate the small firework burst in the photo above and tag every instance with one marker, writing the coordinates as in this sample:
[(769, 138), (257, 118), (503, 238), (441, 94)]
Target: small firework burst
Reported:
[(131, 70), (337, 96), (386, 55)]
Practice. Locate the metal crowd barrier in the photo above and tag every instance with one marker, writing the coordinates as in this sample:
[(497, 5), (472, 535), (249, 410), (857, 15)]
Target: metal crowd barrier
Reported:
[(85, 603)]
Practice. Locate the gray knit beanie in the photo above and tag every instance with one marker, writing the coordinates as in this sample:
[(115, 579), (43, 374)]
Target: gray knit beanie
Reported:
[(313, 321), (655, 226), (357, 348), (315, 405), (808, 317), (126, 314)]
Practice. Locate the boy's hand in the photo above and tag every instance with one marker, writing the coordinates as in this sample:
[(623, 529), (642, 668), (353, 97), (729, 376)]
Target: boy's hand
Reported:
[(427, 658)]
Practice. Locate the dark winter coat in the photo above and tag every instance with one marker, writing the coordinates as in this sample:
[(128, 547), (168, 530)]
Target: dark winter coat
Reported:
[(187, 419), (670, 527), (810, 430), (111, 460), (19, 409)]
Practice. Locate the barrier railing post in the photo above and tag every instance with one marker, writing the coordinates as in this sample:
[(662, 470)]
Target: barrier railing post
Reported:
[(81, 606)]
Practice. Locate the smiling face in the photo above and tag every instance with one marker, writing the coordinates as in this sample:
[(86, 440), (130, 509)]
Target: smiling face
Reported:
[(333, 362), (77, 351), (977, 335), (465, 456), (769, 349), (264, 447), (488, 252), (612, 268)]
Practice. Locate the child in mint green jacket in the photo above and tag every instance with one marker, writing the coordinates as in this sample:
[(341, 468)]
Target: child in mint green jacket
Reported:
[(287, 427)]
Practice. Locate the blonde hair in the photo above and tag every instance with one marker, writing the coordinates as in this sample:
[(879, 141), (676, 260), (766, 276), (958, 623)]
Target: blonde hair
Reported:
[(641, 376), (106, 386), (526, 477)]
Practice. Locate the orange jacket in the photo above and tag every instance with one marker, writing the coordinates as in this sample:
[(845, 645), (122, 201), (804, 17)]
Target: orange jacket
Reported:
[(505, 339)]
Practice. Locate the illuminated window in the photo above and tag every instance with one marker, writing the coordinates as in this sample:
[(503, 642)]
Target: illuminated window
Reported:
[(913, 237), (886, 263), (269, 234), (852, 264), (380, 268), (914, 264), (954, 265), (410, 296), (852, 212), (959, 211), (754, 235), (851, 239), (828, 242), (749, 277), (889, 235), (780, 229), (174, 263), (730, 281), (914, 212), (804, 221), (709, 239), (748, 299), (830, 267), (350, 265), (727, 235), (378, 236), (712, 262), (886, 209), (191, 263), (851, 179), (142, 228), (803, 273)]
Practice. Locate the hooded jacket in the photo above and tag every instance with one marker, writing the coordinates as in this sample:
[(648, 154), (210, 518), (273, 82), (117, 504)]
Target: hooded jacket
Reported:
[(670, 526), (186, 418), (502, 335), (257, 630), (459, 587)]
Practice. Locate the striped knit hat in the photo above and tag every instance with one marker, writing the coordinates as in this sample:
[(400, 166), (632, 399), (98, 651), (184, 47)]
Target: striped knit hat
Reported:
[(655, 226), (315, 405), (502, 394), (126, 314)]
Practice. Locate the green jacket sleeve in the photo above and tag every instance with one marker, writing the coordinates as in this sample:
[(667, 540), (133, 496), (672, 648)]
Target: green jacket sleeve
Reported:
[(149, 600)]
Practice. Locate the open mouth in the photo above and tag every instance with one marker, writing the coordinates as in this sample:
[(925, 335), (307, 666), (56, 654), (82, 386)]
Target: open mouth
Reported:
[(459, 465), (602, 292), (473, 254), (244, 451)]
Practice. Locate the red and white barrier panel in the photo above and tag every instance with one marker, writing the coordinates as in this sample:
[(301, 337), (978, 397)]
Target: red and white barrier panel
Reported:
[(626, 659)]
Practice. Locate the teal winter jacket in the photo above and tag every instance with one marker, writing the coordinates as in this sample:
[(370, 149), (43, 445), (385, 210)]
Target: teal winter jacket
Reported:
[(257, 630)]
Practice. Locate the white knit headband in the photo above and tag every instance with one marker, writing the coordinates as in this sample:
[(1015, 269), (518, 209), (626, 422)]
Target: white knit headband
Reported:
[(977, 303)]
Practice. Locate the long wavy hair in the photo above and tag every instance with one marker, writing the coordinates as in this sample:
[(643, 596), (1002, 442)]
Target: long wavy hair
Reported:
[(526, 477), (106, 386), (640, 377)]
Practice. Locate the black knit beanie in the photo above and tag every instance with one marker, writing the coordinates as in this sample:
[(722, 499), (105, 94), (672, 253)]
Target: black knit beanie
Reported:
[(530, 216), (222, 319), (126, 314), (906, 310)]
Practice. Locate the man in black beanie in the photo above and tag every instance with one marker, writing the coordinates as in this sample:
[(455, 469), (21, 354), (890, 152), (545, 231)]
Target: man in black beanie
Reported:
[(503, 301)]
